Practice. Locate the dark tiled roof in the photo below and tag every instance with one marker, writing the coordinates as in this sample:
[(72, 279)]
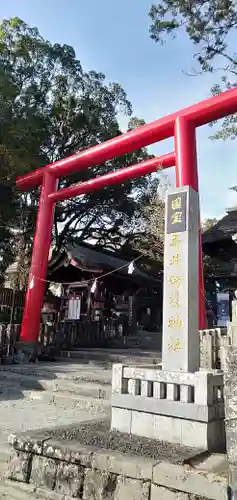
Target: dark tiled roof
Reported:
[(223, 229), (90, 257), (217, 241)]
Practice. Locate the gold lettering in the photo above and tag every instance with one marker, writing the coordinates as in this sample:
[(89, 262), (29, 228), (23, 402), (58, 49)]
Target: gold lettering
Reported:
[(175, 280), (175, 260), (176, 218), (174, 345), (174, 300), (175, 322), (176, 204), (175, 241)]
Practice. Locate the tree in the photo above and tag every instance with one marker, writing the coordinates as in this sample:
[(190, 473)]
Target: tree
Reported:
[(208, 223), (9, 207), (51, 108), (149, 240), (209, 25)]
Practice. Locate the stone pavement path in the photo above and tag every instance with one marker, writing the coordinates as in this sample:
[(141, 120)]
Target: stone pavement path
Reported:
[(44, 395), (58, 393), (35, 397), (19, 413)]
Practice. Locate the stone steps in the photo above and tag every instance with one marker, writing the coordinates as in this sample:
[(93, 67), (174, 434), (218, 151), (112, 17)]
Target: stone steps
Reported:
[(142, 340), (90, 397), (68, 386), (32, 396), (84, 386), (63, 371), (52, 394), (81, 403), (150, 343), (88, 391), (106, 357), (137, 343)]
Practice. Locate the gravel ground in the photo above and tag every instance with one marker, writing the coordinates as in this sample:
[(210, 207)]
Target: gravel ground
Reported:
[(97, 433)]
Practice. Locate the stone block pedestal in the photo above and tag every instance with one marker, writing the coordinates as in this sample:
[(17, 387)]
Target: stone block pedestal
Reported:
[(177, 407)]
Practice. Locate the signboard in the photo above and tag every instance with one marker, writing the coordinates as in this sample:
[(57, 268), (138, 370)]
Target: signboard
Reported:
[(176, 213), (223, 308), (74, 308)]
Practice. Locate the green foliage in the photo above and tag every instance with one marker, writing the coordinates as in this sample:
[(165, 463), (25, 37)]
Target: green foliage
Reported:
[(208, 223), (209, 25), (9, 206), (150, 241), (149, 238), (51, 108)]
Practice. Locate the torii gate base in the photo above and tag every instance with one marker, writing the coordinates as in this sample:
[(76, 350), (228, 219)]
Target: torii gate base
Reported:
[(180, 125)]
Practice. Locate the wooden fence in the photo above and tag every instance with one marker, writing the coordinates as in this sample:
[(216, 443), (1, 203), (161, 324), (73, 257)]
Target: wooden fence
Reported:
[(12, 305), (88, 333), (66, 335), (55, 336)]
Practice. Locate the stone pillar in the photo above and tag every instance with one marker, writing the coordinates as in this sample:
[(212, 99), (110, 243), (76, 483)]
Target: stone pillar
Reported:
[(230, 396), (180, 403), (232, 325), (180, 309)]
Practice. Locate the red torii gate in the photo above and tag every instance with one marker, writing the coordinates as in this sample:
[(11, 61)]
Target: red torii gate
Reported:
[(180, 125)]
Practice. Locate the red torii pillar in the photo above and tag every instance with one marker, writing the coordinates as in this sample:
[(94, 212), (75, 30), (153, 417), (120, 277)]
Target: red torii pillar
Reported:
[(180, 125)]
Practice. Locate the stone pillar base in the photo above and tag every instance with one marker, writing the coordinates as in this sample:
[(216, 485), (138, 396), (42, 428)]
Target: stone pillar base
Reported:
[(176, 407), (27, 351)]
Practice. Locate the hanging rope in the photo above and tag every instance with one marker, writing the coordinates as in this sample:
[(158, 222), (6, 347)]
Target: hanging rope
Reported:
[(86, 282)]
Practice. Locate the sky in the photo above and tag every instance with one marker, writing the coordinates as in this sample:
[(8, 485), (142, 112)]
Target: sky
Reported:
[(113, 37)]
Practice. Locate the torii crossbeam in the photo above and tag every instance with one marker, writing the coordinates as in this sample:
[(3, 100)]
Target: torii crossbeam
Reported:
[(180, 125)]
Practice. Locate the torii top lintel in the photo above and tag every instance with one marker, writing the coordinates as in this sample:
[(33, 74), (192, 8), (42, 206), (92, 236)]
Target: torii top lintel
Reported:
[(199, 114)]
